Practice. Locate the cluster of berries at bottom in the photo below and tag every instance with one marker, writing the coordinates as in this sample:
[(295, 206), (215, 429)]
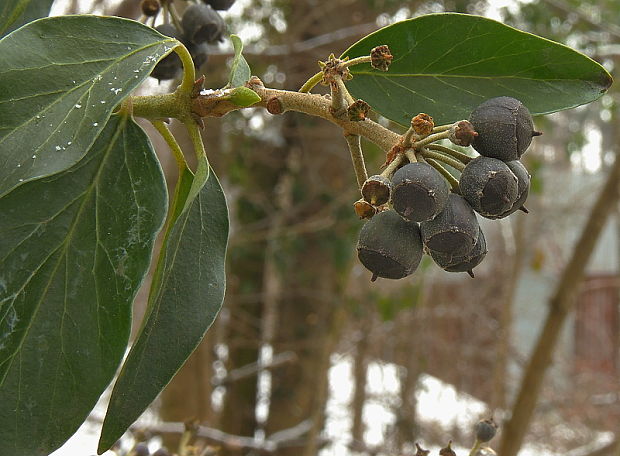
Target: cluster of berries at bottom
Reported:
[(201, 25), (428, 216)]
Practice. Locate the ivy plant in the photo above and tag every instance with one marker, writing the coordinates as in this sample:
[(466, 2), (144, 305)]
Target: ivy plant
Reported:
[(83, 196)]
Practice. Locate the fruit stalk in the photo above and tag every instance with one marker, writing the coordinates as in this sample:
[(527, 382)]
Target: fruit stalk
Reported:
[(357, 157)]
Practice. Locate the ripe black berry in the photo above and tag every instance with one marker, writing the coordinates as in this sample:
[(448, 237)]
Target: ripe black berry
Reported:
[(485, 430), (376, 190), (463, 263), (523, 187), (489, 186), (419, 192), (199, 53), (454, 230), (505, 128), (170, 66), (201, 24), (141, 449), (220, 4), (389, 246)]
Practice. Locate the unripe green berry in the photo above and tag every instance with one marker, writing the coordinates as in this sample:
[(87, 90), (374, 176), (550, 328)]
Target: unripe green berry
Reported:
[(389, 246), (504, 128), (419, 192), (489, 186)]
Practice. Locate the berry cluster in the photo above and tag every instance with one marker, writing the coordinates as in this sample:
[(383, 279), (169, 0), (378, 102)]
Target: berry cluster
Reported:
[(422, 208), (200, 25)]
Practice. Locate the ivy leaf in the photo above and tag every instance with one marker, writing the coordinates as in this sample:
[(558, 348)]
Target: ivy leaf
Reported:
[(15, 13), (240, 70), (447, 64), (186, 295), (72, 264), (60, 79)]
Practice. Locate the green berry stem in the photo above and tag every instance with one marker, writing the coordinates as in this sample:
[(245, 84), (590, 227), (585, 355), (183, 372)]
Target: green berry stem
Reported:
[(165, 132), (409, 137), (356, 61), (454, 183), (311, 83), (443, 158), (174, 15), (341, 99), (410, 153), (475, 448), (392, 166), (440, 128), (460, 156), (357, 157), (430, 139)]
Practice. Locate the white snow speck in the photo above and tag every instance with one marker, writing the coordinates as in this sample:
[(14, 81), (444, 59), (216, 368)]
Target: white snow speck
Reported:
[(78, 106), (95, 124), (57, 147)]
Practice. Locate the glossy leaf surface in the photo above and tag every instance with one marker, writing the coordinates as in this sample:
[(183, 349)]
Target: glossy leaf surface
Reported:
[(447, 64), (60, 79), (186, 295), (15, 13), (72, 263)]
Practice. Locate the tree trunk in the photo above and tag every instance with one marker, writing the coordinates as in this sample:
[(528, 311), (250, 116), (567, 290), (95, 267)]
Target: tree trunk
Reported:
[(560, 305)]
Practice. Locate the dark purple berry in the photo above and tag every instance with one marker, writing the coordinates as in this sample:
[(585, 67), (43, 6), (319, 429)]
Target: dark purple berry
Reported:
[(201, 24), (419, 192), (220, 5), (463, 263), (523, 179), (141, 449), (454, 230), (489, 186), (389, 246), (169, 67), (504, 127), (485, 430)]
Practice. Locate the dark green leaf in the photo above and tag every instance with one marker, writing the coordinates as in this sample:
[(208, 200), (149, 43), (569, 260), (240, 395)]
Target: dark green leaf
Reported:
[(75, 248), (60, 79), (186, 295), (447, 64), (15, 13), (240, 71)]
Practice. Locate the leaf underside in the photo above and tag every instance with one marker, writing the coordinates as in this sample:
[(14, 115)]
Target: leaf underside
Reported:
[(71, 266), (60, 79), (446, 64)]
